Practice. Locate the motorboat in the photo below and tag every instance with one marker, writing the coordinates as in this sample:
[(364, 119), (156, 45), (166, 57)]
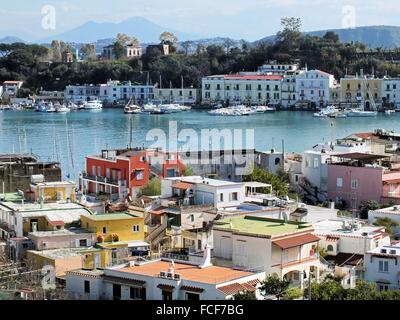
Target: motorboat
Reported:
[(320, 114), (72, 106), (390, 111), (361, 113), (62, 109), (149, 108), (132, 109), (93, 105)]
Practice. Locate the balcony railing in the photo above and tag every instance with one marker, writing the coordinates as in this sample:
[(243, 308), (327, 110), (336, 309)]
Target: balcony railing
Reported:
[(100, 179)]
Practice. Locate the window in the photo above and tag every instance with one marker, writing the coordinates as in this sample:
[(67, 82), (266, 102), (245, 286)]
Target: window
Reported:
[(354, 184), (136, 293), (192, 296), (191, 218), (221, 197), (116, 291), (277, 161), (82, 243), (316, 162), (104, 230), (139, 175), (166, 295), (383, 266), (329, 248), (234, 196), (136, 228), (339, 182), (87, 286)]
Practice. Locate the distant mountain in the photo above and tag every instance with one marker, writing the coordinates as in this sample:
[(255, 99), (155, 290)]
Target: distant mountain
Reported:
[(10, 39), (372, 36), (141, 28)]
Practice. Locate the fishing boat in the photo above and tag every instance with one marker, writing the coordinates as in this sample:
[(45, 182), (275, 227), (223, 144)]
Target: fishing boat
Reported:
[(132, 109), (94, 104), (62, 109)]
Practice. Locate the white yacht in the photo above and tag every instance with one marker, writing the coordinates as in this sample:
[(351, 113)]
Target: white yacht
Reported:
[(62, 109), (150, 107), (93, 105), (361, 113), (132, 108)]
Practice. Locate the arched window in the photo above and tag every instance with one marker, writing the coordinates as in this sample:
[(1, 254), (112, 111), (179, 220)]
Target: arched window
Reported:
[(329, 248), (277, 161)]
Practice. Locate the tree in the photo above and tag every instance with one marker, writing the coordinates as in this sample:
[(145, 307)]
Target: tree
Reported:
[(331, 36), (228, 43), (279, 184), (244, 295), (290, 34), (187, 171), (168, 38), (389, 224), (366, 206), (329, 289), (272, 285), (88, 52), (153, 188), (186, 46), (56, 50), (292, 293), (118, 50)]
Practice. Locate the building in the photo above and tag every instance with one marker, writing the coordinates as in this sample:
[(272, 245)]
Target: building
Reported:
[(190, 96), (114, 92), (51, 191), (273, 67), (50, 96), (16, 171), (162, 280), (67, 57), (288, 91), (391, 92), (359, 177), (242, 88), (130, 51), (361, 90), (196, 190), (122, 172), (382, 267), (17, 219), (392, 213), (277, 247), (163, 49), (313, 87), (81, 93), (10, 88)]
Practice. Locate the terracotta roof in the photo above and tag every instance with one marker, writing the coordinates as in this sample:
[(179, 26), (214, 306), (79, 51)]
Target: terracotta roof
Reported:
[(182, 185), (57, 223), (192, 289), (166, 287), (254, 282), (332, 238), (235, 287), (365, 135), (360, 156), (124, 281), (158, 210), (210, 275), (296, 241)]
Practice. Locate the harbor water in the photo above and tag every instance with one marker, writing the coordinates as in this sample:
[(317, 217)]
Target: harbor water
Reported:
[(69, 137)]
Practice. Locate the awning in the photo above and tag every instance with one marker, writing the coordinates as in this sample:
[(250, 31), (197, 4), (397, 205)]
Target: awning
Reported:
[(296, 241), (234, 288), (124, 281), (166, 287), (192, 289), (182, 185)]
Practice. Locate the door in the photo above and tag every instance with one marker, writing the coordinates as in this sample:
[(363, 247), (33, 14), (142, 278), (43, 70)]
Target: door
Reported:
[(116, 292), (166, 295)]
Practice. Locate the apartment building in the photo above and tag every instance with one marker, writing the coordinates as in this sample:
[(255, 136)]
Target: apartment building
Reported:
[(391, 92), (313, 88), (273, 67), (362, 90), (242, 88), (81, 93), (114, 92), (11, 87), (191, 96)]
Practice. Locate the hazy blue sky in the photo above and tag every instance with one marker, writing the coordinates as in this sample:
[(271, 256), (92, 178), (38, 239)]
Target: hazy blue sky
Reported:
[(248, 19)]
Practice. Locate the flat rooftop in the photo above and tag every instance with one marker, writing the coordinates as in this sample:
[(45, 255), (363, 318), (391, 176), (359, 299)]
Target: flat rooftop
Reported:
[(260, 226), (335, 227), (389, 211), (10, 197), (59, 253), (211, 275), (207, 181), (63, 232), (112, 216)]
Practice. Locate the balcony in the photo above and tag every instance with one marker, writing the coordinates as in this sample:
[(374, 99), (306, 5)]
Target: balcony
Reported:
[(104, 180)]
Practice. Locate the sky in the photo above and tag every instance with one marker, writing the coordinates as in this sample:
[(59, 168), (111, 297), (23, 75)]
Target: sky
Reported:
[(239, 19)]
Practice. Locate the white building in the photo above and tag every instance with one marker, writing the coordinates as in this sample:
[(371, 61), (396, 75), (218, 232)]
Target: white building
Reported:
[(382, 267), (177, 95), (10, 88), (161, 280), (313, 87), (242, 88), (80, 93), (196, 190), (391, 91), (272, 67), (393, 213), (283, 248), (115, 91), (349, 236)]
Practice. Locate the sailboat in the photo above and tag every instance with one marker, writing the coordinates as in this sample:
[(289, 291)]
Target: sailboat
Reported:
[(361, 112), (130, 107)]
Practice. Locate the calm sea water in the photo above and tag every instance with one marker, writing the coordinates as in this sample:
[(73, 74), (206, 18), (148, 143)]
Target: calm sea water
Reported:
[(69, 137)]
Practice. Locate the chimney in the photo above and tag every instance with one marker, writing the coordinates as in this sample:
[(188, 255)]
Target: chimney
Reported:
[(206, 262)]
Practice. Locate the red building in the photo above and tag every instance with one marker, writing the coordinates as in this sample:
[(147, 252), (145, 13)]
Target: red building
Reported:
[(122, 172)]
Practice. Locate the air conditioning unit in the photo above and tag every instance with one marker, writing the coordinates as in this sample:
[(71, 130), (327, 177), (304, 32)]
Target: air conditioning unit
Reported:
[(170, 275), (177, 276), (383, 251), (163, 274)]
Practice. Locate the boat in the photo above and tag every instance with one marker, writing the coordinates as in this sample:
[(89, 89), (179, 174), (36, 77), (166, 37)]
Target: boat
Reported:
[(150, 108), (72, 106), (361, 113), (93, 105), (62, 109), (320, 114), (390, 111), (132, 108)]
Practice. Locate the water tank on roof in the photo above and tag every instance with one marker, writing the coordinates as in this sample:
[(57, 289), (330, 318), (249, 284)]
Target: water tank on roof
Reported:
[(37, 178)]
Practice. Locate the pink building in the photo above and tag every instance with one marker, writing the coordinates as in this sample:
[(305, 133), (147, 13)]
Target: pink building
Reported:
[(358, 177)]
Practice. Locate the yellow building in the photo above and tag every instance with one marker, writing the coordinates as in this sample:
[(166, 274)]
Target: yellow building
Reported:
[(53, 191), (115, 227), (363, 91)]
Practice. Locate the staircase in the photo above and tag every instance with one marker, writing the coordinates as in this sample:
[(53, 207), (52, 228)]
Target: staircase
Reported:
[(155, 234)]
